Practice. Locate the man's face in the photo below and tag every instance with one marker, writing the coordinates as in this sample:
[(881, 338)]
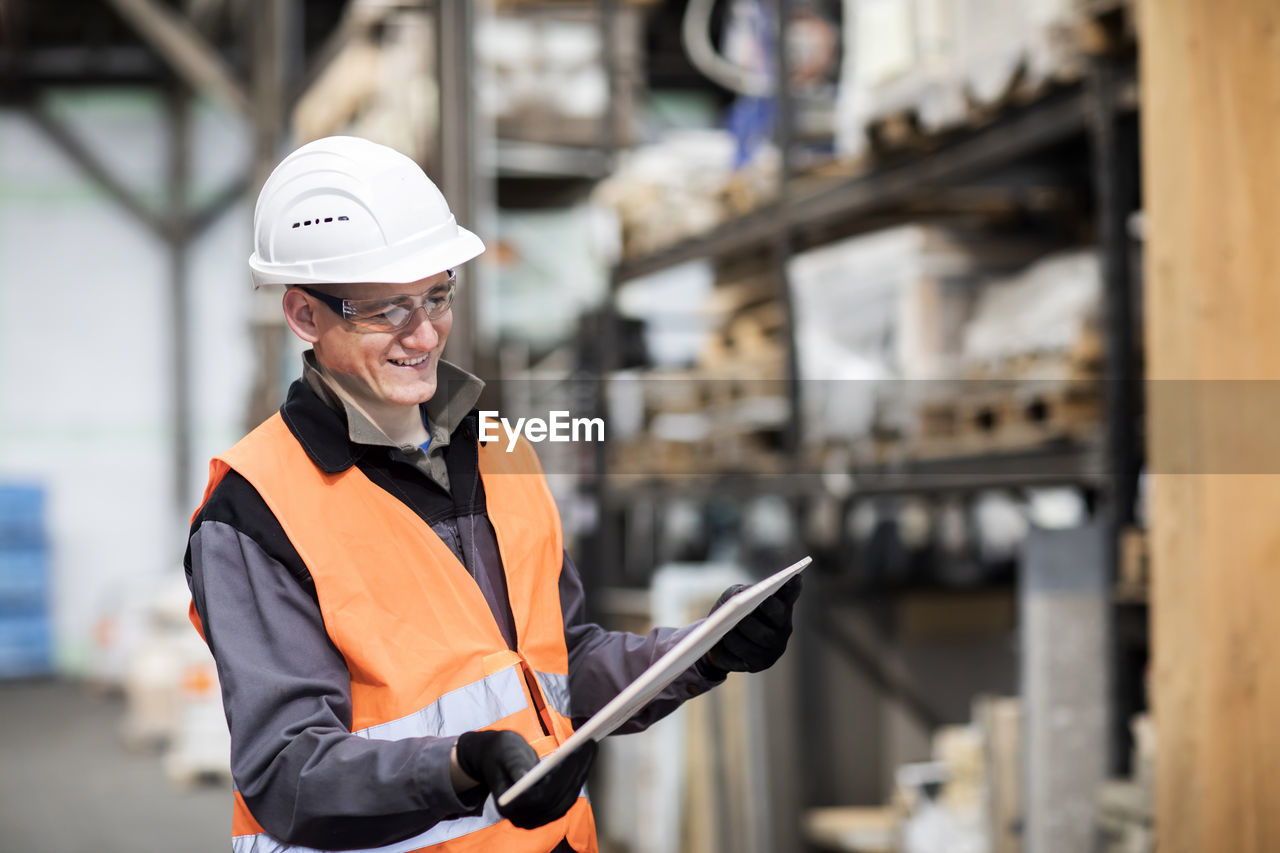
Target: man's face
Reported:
[(388, 368)]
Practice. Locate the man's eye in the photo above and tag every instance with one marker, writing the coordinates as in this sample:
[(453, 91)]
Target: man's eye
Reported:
[(384, 311), (393, 314)]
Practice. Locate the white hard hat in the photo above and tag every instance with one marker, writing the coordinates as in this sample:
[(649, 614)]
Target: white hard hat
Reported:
[(343, 209)]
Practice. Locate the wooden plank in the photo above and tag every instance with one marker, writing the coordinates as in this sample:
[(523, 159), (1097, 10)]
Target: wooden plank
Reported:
[(854, 829), (1211, 120), (1000, 719)]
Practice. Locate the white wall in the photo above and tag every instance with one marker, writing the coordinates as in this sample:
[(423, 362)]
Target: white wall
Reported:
[(85, 360)]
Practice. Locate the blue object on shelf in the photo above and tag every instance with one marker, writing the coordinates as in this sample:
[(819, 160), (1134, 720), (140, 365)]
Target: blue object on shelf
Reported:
[(24, 581), (26, 646), (22, 509)]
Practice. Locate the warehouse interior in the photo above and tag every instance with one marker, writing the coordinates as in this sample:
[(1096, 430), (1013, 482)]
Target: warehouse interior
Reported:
[(969, 300)]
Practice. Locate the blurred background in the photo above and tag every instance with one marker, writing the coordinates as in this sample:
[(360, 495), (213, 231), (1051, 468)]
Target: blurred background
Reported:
[(861, 279)]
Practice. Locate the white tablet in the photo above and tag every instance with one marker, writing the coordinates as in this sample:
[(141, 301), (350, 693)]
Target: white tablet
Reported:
[(665, 670)]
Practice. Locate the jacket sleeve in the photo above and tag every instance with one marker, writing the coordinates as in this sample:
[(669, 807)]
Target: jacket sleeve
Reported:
[(304, 776), (602, 663)]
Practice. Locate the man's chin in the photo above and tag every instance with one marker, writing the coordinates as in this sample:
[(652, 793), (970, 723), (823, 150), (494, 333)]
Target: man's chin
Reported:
[(419, 394)]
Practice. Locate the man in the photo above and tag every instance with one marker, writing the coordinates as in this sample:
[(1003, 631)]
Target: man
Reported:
[(397, 627)]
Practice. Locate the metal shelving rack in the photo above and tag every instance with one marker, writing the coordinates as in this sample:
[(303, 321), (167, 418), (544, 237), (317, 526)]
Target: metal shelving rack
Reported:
[(1098, 118), (1100, 110)]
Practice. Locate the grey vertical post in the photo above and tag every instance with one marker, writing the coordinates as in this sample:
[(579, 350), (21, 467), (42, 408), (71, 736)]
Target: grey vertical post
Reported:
[(455, 57), (610, 132), (180, 347), (268, 38), (1064, 603)]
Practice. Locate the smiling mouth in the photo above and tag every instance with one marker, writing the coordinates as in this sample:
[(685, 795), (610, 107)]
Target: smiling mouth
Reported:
[(410, 362)]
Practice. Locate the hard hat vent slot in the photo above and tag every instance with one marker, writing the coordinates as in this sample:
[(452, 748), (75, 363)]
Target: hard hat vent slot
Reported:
[(318, 221)]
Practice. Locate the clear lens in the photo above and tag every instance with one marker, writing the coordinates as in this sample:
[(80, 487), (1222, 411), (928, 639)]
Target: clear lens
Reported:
[(387, 315)]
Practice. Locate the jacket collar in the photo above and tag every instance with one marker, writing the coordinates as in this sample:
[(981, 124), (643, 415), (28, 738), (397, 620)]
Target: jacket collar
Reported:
[(335, 436)]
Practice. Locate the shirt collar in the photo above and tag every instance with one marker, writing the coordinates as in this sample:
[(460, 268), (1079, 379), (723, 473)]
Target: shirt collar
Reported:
[(457, 392)]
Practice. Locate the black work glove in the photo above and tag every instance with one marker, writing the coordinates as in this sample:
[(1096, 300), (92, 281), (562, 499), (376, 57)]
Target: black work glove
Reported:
[(755, 643), (498, 759)]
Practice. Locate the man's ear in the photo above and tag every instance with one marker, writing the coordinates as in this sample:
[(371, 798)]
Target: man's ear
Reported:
[(299, 313)]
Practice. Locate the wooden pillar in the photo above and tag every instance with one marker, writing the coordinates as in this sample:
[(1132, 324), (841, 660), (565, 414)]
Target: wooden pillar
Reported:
[(1210, 74)]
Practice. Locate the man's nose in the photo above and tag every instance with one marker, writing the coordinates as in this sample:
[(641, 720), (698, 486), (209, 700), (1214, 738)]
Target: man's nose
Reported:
[(420, 332)]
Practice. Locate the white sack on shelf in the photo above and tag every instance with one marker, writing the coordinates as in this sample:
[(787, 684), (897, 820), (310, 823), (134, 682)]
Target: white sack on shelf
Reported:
[(860, 322), (843, 403), (535, 63), (670, 304), (899, 56), (1003, 42), (991, 45), (931, 58), (570, 44), (580, 92), (667, 190), (1046, 307), (941, 102)]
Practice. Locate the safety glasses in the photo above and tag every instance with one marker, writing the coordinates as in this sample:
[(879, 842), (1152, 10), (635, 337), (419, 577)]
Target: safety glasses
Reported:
[(390, 313)]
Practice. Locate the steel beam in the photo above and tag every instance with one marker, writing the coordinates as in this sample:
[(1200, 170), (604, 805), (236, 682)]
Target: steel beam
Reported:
[(1115, 166), (185, 50), (221, 202), (1033, 129), (65, 139)]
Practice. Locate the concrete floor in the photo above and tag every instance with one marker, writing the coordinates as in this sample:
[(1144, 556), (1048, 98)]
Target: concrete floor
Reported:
[(67, 785)]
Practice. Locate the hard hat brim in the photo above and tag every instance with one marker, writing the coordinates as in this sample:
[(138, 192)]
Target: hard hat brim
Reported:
[(449, 255)]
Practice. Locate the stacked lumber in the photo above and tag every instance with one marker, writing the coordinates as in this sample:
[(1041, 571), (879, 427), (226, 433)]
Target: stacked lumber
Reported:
[(1030, 364), (916, 70), (681, 187), (726, 413), (854, 829), (698, 421), (995, 417), (380, 86), (920, 342), (967, 797)]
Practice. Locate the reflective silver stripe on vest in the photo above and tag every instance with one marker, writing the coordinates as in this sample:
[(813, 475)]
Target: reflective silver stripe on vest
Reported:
[(445, 830), (556, 688), (473, 706)]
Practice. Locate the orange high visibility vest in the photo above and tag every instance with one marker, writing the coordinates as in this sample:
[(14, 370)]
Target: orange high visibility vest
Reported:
[(425, 655)]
